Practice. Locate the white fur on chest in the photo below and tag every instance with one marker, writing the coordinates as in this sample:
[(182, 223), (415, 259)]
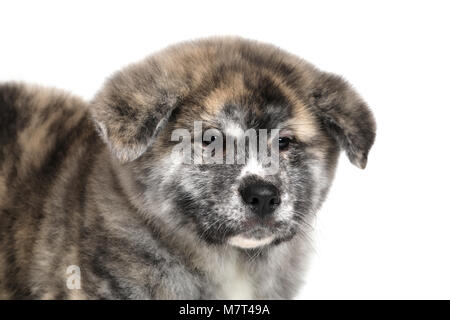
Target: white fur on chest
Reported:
[(235, 282)]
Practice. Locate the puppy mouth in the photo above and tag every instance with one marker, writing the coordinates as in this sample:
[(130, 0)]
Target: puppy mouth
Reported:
[(255, 237), (244, 242)]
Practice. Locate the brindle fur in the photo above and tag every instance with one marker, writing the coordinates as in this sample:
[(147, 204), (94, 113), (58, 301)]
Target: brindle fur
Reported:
[(90, 184)]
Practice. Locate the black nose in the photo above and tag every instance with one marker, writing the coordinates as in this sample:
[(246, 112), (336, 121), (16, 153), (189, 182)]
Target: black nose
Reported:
[(263, 198)]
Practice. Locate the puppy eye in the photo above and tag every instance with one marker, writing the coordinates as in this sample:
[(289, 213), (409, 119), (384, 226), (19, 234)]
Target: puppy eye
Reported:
[(206, 143), (283, 143)]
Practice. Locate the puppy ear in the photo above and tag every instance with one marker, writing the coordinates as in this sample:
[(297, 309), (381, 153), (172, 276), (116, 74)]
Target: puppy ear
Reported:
[(132, 109), (345, 116)]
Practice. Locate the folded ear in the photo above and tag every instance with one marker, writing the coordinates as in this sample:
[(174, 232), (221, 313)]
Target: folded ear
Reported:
[(345, 116), (132, 108)]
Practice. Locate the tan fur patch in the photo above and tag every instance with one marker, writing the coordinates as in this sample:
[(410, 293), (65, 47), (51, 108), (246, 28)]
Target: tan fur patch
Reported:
[(76, 294), (48, 296), (229, 92), (317, 151), (303, 122), (36, 139), (3, 189)]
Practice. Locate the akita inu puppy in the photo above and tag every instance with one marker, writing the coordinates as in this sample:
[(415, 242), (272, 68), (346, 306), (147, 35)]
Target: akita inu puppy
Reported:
[(95, 202)]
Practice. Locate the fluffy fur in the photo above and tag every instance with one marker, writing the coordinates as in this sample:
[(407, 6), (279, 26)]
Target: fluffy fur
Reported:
[(94, 185)]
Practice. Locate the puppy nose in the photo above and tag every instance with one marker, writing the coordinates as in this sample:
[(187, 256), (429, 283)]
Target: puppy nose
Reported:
[(263, 198)]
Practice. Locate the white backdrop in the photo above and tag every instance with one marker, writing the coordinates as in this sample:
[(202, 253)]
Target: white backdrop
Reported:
[(384, 232)]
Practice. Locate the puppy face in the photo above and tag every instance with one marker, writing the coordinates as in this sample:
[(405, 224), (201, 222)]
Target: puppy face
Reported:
[(230, 87), (246, 204)]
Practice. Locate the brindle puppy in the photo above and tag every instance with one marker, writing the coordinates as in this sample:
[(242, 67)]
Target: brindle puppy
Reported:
[(95, 185)]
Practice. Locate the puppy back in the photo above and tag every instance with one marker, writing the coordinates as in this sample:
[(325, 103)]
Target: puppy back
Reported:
[(45, 134), (37, 128)]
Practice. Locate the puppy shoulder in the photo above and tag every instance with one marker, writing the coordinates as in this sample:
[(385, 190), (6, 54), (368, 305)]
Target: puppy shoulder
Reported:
[(29, 109)]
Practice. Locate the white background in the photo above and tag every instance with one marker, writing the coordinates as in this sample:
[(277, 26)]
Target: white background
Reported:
[(384, 232)]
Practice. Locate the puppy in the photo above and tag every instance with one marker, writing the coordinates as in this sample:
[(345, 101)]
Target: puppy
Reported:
[(96, 201)]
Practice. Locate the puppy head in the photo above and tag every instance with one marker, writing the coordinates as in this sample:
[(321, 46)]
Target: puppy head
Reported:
[(212, 93)]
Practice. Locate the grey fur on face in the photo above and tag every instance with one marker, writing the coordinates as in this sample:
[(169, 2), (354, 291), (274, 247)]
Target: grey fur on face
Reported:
[(95, 185)]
